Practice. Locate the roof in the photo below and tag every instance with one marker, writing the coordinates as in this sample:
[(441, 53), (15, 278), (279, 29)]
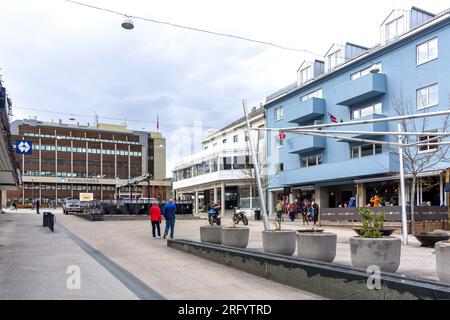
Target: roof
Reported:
[(251, 115), (369, 53)]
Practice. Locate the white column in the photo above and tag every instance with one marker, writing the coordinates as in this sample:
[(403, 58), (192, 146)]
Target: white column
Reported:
[(270, 202), (215, 194), (441, 189), (222, 197), (196, 202), (251, 196)]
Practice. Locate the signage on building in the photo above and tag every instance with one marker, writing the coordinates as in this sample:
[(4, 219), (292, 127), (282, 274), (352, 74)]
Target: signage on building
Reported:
[(86, 196), (81, 180), (24, 146)]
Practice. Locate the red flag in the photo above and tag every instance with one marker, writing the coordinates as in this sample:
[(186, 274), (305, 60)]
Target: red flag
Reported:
[(157, 122), (332, 118)]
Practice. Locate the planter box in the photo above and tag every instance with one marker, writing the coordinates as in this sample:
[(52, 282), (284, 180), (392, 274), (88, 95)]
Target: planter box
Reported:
[(317, 246), (235, 237), (211, 234), (443, 261), (382, 252), (279, 242), (385, 231), (430, 241)]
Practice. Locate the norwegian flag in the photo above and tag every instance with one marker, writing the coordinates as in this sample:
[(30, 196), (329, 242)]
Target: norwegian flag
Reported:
[(332, 118)]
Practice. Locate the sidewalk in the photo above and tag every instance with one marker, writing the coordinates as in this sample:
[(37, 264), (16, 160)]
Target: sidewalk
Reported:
[(174, 274), (34, 262)]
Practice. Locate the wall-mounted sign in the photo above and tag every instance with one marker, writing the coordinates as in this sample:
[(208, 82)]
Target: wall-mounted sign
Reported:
[(86, 196)]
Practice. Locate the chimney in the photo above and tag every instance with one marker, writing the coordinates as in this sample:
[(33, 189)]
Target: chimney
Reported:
[(60, 121)]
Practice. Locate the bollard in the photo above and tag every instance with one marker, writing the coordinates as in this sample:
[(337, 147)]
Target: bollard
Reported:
[(49, 220)]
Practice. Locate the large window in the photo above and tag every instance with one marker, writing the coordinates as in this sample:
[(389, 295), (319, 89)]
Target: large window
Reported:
[(395, 28), (312, 160), (278, 113), (427, 147), (363, 72), (427, 96), (366, 150), (360, 112), (314, 94), (427, 51), (333, 59)]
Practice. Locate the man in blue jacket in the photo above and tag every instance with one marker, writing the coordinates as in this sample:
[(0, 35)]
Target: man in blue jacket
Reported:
[(169, 214)]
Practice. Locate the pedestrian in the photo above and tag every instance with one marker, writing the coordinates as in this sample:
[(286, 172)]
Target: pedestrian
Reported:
[(38, 204), (168, 212), (352, 202), (15, 205), (305, 214), (155, 218), (316, 212), (279, 210), (375, 200), (292, 209)]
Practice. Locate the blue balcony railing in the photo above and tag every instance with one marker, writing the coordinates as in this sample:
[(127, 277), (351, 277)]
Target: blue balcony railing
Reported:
[(308, 110), (364, 88), (305, 144)]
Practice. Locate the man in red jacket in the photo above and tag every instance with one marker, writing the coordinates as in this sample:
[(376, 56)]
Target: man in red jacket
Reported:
[(155, 217)]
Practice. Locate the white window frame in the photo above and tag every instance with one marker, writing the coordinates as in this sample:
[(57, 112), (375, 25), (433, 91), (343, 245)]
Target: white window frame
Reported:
[(428, 105), (427, 44), (364, 72), (317, 155), (359, 151), (372, 105), (279, 113), (314, 94), (306, 74), (397, 33), (432, 148), (335, 56), (235, 138)]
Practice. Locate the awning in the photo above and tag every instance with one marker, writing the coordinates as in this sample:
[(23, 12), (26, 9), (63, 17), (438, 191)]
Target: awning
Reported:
[(397, 177)]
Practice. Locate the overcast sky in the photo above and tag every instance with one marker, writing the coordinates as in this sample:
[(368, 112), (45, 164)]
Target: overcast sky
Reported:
[(69, 59)]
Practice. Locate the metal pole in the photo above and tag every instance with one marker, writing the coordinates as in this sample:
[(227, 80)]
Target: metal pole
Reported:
[(256, 169), (402, 190)]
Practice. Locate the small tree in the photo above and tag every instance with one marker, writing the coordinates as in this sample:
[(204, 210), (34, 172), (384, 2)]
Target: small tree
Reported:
[(415, 159)]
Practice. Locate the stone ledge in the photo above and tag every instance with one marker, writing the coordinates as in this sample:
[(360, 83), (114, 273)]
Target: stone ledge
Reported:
[(324, 279)]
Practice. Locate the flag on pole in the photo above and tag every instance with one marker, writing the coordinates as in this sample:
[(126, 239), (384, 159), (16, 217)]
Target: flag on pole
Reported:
[(157, 122), (332, 118)]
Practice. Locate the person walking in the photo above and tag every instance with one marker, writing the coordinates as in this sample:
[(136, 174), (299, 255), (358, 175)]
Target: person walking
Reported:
[(37, 204), (279, 210), (316, 213), (155, 218), (305, 214), (292, 209), (169, 214), (15, 205)]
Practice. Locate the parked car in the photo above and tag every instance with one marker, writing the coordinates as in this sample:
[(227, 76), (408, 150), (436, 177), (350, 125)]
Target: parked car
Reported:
[(72, 205)]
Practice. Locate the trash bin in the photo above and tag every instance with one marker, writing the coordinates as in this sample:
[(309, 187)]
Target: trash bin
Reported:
[(257, 214)]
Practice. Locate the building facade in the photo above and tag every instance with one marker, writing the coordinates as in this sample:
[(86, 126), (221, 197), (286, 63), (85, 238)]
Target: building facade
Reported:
[(409, 68), (223, 171), (68, 159)]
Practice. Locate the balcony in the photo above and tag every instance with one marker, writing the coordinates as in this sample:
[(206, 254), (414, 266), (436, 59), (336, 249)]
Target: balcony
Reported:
[(364, 88), (305, 144), (372, 127), (308, 110), (382, 163)]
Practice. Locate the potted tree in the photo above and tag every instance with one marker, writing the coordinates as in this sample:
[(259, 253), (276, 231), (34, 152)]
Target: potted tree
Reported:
[(234, 236), (314, 244), (371, 247), (443, 260), (279, 241)]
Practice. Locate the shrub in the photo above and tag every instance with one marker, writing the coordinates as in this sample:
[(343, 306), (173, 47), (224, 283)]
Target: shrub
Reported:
[(372, 223)]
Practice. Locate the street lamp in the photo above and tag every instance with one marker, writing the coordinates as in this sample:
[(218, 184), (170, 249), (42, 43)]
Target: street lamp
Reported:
[(128, 23)]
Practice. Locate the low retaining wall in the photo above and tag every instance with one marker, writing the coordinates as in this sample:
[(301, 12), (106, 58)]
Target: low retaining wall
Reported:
[(324, 279)]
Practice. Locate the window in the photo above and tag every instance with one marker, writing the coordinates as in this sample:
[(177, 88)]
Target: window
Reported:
[(363, 72), (312, 160), (279, 167), (427, 147), (365, 111), (314, 94), (224, 141), (366, 150), (278, 142), (306, 74), (333, 60), (235, 138), (427, 96), (278, 113), (395, 28), (427, 51)]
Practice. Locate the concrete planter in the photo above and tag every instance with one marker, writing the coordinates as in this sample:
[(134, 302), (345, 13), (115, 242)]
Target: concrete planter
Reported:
[(319, 246), (443, 260), (235, 237), (382, 252), (211, 234), (279, 242)]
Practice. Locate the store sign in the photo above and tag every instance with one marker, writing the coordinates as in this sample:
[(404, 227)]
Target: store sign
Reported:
[(86, 197), (24, 146), (81, 180)]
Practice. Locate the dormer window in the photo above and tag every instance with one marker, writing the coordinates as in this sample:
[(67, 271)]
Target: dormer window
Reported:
[(306, 74), (333, 59), (395, 28)]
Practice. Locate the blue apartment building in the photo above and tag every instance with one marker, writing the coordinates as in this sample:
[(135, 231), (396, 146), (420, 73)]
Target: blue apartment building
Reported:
[(410, 68)]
